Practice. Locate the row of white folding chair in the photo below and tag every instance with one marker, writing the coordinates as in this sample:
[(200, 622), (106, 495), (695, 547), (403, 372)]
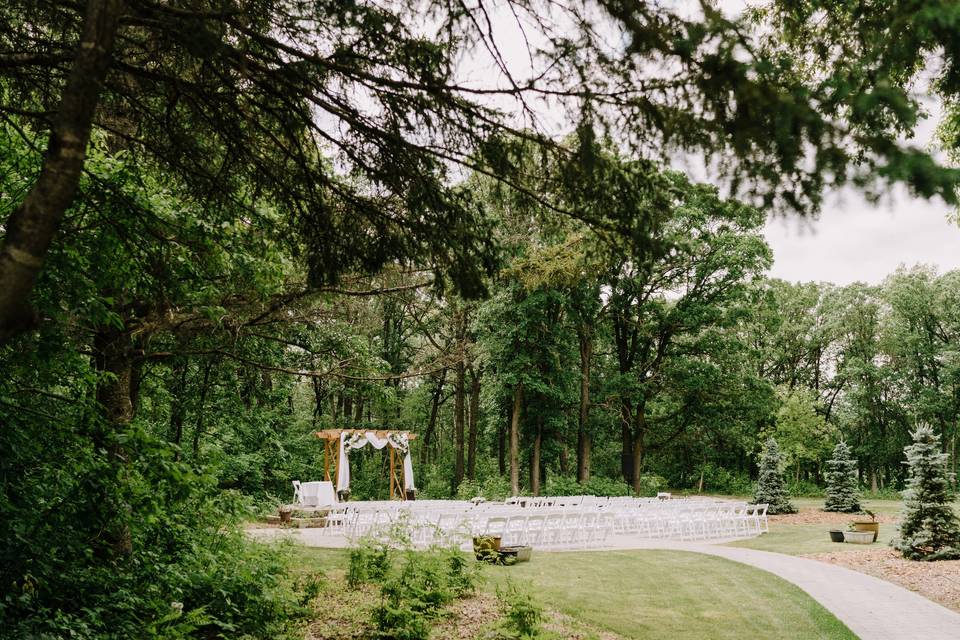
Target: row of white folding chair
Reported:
[(550, 530), (695, 521)]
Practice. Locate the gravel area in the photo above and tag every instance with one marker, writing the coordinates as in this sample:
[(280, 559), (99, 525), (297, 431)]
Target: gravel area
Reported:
[(938, 581)]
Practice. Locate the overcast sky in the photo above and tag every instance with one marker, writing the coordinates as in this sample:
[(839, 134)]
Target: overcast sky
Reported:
[(851, 240), (855, 240)]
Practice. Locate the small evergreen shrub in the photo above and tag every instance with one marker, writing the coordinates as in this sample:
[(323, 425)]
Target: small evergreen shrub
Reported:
[(841, 478), (414, 596), (523, 615), (770, 485), (929, 529), (369, 563)]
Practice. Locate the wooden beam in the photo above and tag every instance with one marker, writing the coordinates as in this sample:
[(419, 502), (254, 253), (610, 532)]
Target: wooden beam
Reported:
[(334, 434)]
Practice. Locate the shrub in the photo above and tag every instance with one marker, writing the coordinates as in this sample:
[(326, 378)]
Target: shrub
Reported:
[(720, 480), (842, 481), (770, 486), (929, 529), (804, 489), (369, 562), (601, 486), (522, 614), (416, 594), (187, 570)]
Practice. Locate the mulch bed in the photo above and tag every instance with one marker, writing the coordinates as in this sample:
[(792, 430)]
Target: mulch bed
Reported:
[(937, 581), (816, 516)]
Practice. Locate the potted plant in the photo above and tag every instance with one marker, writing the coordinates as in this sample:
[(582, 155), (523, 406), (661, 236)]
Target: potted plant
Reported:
[(486, 548), (868, 525), (836, 535)]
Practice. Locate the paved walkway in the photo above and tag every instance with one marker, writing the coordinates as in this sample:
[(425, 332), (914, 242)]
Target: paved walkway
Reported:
[(873, 609)]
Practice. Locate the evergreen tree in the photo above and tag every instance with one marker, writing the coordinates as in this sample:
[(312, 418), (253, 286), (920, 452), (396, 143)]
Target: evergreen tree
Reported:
[(842, 481), (929, 529), (770, 484)]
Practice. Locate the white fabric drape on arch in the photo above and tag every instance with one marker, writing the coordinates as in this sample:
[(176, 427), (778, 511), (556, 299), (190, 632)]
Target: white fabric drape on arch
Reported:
[(371, 438)]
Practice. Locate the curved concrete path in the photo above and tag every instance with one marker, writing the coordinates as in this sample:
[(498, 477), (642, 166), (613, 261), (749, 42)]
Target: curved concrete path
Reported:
[(873, 609)]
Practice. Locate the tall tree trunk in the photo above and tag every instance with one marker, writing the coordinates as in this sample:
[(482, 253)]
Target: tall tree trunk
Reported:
[(564, 459), (637, 463), (535, 458), (114, 356), (502, 445), (458, 424), (201, 412), (358, 410), (319, 395), (639, 446), (178, 405), (515, 439), (31, 227), (626, 441), (432, 424), (347, 407), (583, 436), (472, 430)]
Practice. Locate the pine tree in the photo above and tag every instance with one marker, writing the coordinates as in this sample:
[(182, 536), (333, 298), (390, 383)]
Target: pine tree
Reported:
[(929, 529), (842, 481), (771, 488)]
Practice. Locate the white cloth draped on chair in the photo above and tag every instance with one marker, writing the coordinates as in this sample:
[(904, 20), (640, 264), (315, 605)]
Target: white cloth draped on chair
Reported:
[(349, 442)]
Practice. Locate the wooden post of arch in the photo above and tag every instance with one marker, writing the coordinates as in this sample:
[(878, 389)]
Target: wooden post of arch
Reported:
[(392, 477), (326, 460)]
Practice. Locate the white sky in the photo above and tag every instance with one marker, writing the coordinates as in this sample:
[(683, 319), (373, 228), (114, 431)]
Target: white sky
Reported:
[(851, 240), (854, 240)]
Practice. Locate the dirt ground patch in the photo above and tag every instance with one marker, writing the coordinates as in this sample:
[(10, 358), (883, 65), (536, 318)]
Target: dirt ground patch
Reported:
[(938, 581), (808, 515)]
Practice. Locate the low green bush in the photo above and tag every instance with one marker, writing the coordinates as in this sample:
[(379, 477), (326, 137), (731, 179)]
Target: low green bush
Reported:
[(600, 486), (153, 551), (720, 480), (523, 616), (805, 489)]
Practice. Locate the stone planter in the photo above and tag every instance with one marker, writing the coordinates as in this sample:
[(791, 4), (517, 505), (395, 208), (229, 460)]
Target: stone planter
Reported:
[(858, 537), (869, 525), (836, 535), (513, 555)]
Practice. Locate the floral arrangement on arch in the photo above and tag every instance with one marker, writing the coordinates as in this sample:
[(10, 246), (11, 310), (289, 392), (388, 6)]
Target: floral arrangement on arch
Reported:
[(399, 442), (353, 441)]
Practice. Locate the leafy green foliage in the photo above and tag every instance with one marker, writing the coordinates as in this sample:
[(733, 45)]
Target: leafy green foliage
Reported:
[(523, 616)]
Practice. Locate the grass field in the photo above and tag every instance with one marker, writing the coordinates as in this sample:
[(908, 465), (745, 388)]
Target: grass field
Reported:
[(672, 594), (655, 594), (802, 539)]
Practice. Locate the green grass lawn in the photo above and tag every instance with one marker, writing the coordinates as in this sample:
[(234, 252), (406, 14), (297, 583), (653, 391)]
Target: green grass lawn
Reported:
[(655, 594), (802, 539), (671, 594)]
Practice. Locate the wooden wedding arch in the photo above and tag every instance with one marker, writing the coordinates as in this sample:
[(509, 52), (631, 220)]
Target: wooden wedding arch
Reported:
[(331, 439)]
